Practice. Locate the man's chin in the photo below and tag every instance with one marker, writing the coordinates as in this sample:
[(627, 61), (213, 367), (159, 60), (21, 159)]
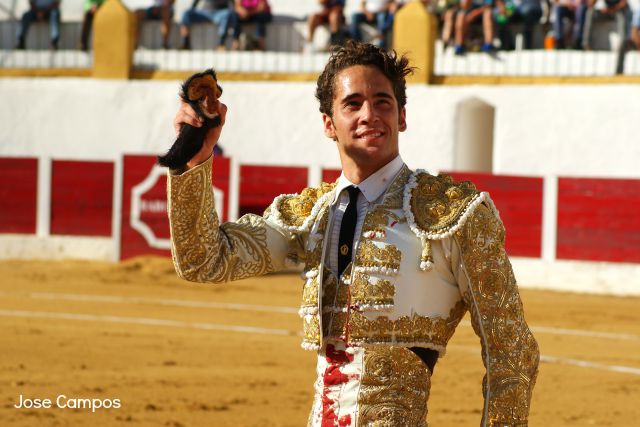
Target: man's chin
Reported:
[(373, 156)]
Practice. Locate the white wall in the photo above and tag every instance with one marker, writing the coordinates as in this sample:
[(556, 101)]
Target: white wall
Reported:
[(587, 130)]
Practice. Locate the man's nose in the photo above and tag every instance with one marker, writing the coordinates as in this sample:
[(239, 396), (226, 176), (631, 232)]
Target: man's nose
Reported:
[(368, 112)]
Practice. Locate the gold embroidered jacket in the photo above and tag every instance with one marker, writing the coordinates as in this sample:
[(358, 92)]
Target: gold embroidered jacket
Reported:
[(429, 251)]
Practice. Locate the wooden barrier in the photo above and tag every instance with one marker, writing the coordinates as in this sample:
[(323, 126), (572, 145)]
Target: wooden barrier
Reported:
[(18, 195), (598, 219), (519, 200), (81, 198)]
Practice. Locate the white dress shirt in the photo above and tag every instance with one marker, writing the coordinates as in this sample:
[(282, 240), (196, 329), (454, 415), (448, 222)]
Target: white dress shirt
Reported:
[(371, 190)]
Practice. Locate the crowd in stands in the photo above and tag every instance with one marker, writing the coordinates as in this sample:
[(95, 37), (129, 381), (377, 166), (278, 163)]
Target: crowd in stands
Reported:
[(377, 13), (570, 22), (229, 15), (40, 10), (498, 16)]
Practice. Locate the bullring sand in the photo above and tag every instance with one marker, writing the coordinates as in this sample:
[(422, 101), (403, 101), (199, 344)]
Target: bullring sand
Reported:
[(180, 354)]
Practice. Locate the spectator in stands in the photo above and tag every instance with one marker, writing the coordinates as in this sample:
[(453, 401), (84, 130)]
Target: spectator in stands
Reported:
[(527, 12), (219, 12), (396, 5), (447, 11), (470, 11), (40, 10), (373, 12), (574, 10), (332, 12), (161, 10), (251, 11), (90, 9), (635, 25), (619, 9)]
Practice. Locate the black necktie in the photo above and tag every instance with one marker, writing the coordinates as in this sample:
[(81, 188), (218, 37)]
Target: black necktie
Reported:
[(347, 230)]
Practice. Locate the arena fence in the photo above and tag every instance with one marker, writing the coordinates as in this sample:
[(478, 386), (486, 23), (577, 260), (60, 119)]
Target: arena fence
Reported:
[(591, 220)]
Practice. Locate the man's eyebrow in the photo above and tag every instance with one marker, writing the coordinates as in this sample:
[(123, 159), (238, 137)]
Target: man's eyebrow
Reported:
[(351, 97), (358, 95)]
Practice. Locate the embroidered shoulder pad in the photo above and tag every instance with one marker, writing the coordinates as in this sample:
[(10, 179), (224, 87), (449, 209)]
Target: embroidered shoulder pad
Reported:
[(296, 212), (436, 206)]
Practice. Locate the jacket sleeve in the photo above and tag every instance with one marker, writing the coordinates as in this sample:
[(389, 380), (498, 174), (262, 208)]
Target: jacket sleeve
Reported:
[(205, 251), (509, 351)]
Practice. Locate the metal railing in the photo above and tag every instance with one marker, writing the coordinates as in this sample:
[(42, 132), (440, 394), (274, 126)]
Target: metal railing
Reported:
[(536, 62), (39, 53)]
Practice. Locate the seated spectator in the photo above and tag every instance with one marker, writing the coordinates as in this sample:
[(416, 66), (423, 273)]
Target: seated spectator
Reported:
[(373, 12), (396, 5), (470, 11), (219, 12), (618, 9), (574, 10), (90, 9), (635, 26), (161, 10), (527, 12), (447, 11), (332, 12), (40, 10), (247, 11)]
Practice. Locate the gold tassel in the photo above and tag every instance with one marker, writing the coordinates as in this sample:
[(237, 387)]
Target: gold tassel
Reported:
[(426, 260)]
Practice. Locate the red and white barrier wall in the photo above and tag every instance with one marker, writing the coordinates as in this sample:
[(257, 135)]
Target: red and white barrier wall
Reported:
[(579, 234)]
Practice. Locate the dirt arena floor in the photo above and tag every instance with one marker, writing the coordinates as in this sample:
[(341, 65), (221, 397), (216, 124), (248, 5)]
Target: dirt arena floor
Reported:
[(179, 354)]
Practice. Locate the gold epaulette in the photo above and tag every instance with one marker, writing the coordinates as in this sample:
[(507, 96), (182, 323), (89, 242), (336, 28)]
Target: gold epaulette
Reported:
[(436, 207), (295, 212)]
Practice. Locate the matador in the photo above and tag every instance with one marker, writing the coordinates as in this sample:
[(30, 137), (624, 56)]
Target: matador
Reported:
[(393, 258)]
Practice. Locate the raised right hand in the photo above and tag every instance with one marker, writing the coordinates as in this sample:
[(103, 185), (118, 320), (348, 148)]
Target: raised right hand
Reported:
[(186, 115)]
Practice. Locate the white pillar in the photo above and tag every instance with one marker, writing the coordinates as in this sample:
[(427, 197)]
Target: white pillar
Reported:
[(43, 205), (116, 215), (549, 217), (314, 175), (234, 190)]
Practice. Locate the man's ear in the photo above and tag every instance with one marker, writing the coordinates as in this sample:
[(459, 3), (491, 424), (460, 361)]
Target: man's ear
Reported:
[(402, 120), (329, 130)]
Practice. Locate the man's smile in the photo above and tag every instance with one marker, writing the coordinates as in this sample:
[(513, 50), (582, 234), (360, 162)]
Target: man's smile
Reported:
[(369, 133)]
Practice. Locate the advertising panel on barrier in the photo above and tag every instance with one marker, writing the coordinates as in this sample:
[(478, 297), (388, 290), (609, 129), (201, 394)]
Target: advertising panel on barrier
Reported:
[(145, 226)]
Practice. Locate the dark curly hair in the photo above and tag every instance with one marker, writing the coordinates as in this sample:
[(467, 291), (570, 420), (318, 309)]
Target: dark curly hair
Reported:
[(394, 67)]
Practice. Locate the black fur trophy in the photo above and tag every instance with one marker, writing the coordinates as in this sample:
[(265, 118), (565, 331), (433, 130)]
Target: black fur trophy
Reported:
[(201, 91)]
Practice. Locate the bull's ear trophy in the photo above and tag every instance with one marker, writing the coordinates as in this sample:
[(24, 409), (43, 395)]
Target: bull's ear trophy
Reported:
[(201, 91)]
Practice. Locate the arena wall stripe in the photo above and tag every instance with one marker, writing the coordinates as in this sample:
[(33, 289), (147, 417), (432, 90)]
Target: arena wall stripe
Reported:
[(598, 219), (18, 195), (81, 198), (519, 200)]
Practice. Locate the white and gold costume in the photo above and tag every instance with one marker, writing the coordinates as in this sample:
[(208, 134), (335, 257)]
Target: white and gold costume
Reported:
[(429, 251)]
